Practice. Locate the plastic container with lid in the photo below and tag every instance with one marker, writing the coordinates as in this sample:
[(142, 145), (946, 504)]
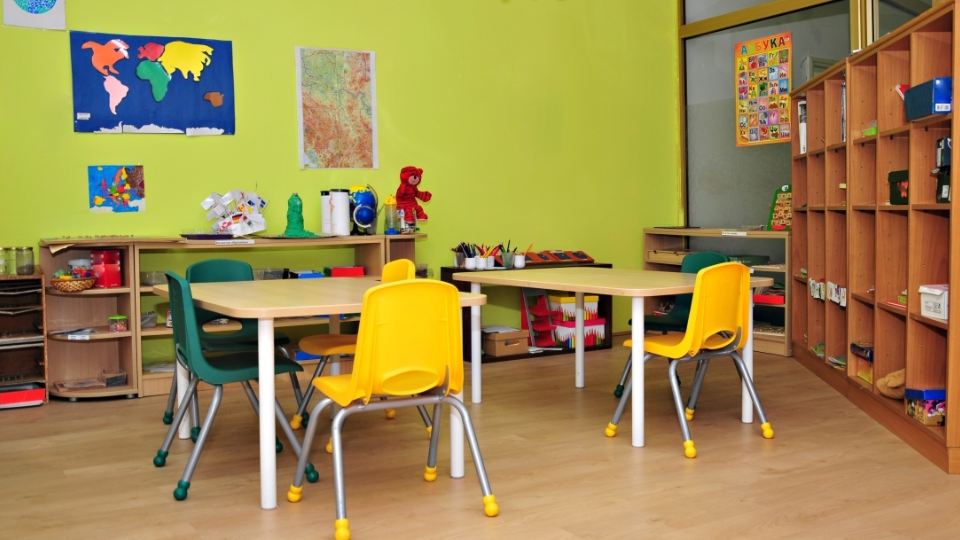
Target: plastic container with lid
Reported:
[(24, 261), (118, 323)]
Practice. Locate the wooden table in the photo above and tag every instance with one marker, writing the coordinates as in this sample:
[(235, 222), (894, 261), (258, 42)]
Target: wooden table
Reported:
[(272, 299), (636, 284)]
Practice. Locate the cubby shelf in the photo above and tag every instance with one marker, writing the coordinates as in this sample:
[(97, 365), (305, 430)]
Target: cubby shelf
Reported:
[(850, 235)]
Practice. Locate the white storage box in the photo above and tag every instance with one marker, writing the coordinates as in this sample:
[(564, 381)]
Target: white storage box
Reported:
[(933, 301)]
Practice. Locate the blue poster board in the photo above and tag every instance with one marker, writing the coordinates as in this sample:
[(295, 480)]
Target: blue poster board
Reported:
[(149, 84)]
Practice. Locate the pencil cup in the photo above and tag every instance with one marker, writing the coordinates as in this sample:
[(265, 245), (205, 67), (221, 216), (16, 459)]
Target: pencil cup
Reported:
[(470, 263), (519, 261), (491, 262), (507, 260), (481, 263), (458, 260)]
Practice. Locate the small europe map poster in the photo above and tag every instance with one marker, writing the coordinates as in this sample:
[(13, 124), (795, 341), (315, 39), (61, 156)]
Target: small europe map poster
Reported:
[(336, 109), (762, 80), (116, 188), (149, 84)]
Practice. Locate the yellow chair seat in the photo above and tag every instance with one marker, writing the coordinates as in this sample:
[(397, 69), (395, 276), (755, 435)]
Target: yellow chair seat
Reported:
[(671, 345), (328, 344), (338, 388)]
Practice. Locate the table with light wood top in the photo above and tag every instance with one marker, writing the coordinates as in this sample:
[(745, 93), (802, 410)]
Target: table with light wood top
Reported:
[(271, 299), (636, 284)]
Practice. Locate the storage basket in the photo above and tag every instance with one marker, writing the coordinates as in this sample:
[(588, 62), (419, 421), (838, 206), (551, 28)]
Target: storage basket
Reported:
[(73, 285)]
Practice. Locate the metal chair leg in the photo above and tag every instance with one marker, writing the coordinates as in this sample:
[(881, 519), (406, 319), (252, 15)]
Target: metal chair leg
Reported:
[(194, 415), (161, 458), (611, 430), (742, 368), (255, 403), (426, 418), (430, 474), (490, 506), (623, 378), (342, 524), (171, 400), (296, 488), (695, 391), (180, 493), (688, 448), (302, 418)]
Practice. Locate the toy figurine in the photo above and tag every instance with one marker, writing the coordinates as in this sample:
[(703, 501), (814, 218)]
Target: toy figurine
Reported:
[(295, 219), (407, 195)]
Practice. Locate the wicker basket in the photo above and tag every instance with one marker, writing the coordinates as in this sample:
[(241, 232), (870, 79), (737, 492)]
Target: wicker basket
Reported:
[(72, 285)]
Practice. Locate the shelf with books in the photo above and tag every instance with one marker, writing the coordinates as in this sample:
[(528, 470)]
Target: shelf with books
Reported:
[(835, 110), (890, 250), (815, 119)]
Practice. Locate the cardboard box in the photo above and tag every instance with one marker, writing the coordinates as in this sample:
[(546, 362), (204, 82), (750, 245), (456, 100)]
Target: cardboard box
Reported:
[(566, 306), (594, 332), (933, 301), (932, 97), (505, 343), (928, 412)]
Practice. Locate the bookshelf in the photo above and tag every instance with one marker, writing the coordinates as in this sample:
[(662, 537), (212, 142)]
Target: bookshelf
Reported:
[(847, 232)]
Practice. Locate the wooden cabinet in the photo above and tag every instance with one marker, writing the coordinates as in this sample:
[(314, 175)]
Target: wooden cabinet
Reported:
[(846, 231), (75, 357), (772, 322), (22, 358)]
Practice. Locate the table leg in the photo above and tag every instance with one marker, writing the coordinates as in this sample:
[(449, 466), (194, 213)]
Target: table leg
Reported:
[(268, 417), (637, 374), (746, 413), (456, 441), (183, 380), (578, 339), (475, 347)]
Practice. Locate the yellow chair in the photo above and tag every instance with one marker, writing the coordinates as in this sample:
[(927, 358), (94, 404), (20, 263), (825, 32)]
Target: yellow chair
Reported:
[(327, 345), (718, 326), (409, 350)]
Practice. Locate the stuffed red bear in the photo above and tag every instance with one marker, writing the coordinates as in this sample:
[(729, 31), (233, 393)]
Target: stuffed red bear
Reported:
[(407, 194)]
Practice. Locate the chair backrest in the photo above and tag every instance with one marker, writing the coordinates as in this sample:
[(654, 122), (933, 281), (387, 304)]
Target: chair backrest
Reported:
[(692, 264), (409, 340), (212, 271), (186, 337), (721, 303), (398, 270)]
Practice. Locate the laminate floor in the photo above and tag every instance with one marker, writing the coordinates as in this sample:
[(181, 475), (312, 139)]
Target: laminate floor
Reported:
[(84, 470)]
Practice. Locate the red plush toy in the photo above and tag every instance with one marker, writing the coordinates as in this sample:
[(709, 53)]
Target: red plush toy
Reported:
[(407, 194)]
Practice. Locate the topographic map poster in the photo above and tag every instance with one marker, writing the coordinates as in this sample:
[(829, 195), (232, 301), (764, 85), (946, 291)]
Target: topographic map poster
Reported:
[(337, 109), (148, 84), (116, 188), (45, 14), (762, 80)]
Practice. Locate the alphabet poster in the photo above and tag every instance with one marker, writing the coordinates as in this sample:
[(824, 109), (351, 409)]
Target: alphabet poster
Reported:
[(147, 84), (762, 81)]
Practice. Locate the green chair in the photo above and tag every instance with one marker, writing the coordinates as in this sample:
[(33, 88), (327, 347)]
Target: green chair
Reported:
[(217, 371), (245, 339), (676, 320)]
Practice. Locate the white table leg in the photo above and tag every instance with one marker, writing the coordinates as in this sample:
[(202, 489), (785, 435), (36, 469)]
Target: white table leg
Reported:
[(475, 347), (268, 418), (183, 380), (746, 414), (578, 339), (456, 441), (637, 373)]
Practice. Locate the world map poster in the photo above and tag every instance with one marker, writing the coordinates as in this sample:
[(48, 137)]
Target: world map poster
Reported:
[(337, 105), (762, 78), (149, 84)]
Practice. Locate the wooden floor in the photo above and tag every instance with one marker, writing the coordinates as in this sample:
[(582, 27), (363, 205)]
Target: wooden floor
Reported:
[(83, 470)]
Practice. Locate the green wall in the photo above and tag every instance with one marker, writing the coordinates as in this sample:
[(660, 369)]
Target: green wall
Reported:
[(552, 122)]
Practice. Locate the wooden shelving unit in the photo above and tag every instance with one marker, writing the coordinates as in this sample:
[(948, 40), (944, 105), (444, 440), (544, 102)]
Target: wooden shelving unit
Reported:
[(677, 239), (854, 237), (84, 358), (22, 346)]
